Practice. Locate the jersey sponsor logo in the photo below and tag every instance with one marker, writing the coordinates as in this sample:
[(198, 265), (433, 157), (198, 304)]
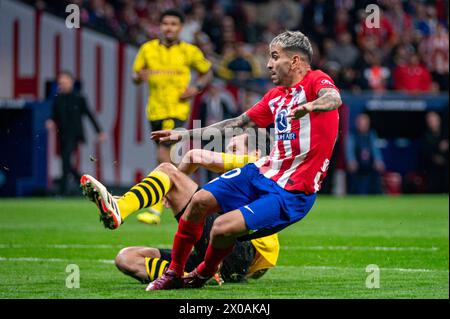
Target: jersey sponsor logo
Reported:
[(281, 121), (165, 72), (286, 136), (325, 81)]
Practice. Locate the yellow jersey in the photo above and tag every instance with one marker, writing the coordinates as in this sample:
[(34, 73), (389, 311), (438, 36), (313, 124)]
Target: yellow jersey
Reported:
[(267, 248), (169, 76)]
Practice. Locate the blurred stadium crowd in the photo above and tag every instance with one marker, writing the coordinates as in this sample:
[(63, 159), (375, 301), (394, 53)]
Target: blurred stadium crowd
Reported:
[(411, 43), (408, 53)]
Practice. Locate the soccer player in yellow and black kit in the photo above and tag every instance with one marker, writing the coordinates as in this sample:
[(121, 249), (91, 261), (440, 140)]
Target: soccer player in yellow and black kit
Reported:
[(249, 259), (166, 64)]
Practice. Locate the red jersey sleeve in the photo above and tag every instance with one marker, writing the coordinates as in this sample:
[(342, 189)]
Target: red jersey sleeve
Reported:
[(322, 80), (260, 113)]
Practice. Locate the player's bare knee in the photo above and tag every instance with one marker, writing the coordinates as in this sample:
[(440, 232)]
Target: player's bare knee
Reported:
[(199, 206), (221, 229), (122, 259), (167, 168)]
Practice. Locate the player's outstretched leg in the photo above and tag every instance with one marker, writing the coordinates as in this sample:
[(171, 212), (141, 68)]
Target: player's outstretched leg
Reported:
[(114, 210), (108, 208)]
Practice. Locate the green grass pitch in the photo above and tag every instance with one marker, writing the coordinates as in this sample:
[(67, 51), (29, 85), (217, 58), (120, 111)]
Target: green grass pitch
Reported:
[(323, 256)]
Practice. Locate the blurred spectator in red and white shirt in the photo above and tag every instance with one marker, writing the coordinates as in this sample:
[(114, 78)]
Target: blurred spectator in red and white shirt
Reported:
[(412, 76), (400, 20), (435, 51), (385, 36)]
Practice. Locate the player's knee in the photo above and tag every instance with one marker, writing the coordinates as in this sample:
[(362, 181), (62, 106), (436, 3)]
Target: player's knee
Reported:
[(199, 206), (123, 260), (167, 168), (222, 229)]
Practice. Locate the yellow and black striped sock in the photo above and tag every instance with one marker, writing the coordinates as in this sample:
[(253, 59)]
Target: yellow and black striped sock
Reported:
[(147, 193), (155, 267)]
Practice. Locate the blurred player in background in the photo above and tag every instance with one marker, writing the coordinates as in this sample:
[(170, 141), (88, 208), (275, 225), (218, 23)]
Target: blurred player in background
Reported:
[(249, 259), (68, 109), (264, 197), (166, 64)]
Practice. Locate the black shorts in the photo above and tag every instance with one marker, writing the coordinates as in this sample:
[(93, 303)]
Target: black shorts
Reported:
[(166, 124), (234, 267)]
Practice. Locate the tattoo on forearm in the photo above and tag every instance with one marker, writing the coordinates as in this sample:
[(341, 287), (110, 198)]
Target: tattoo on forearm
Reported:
[(240, 121), (329, 99)]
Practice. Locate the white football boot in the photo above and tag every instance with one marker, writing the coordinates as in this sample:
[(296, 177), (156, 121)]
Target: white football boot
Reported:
[(107, 204)]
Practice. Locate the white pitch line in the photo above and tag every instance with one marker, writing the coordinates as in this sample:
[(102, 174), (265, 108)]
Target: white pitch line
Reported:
[(69, 246), (55, 260), (362, 248), (362, 268), (109, 261)]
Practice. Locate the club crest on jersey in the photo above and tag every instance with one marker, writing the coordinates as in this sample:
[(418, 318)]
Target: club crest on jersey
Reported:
[(281, 121)]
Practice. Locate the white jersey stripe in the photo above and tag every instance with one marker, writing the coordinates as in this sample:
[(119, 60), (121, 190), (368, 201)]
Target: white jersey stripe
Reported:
[(305, 144), (276, 152), (275, 163), (272, 103)]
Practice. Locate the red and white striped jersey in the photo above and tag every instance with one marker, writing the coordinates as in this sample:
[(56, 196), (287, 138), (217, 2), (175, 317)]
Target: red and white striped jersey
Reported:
[(302, 148)]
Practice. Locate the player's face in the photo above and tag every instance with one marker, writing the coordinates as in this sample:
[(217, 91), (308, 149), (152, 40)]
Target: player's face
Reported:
[(171, 27), (65, 83), (238, 145), (280, 66)]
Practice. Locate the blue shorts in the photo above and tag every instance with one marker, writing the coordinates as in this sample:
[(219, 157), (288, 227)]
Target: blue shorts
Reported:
[(267, 208)]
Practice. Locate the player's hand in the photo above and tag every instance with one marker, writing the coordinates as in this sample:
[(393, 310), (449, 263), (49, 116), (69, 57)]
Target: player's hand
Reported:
[(189, 93), (300, 111), (166, 137), (141, 76), (352, 166), (50, 125), (379, 166), (101, 137)]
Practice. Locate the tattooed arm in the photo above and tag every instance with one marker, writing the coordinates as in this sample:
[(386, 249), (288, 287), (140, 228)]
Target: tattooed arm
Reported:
[(170, 137), (328, 99)]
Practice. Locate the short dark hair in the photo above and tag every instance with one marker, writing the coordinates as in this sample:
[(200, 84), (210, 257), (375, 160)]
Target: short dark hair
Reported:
[(294, 41), (172, 13)]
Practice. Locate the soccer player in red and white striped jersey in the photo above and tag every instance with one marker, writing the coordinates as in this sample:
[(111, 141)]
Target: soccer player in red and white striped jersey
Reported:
[(278, 190)]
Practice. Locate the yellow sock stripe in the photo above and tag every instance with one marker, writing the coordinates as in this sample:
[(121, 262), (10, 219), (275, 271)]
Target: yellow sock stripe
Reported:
[(152, 265), (163, 266), (163, 178), (155, 267), (150, 191), (147, 260), (138, 194), (145, 193), (154, 187)]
